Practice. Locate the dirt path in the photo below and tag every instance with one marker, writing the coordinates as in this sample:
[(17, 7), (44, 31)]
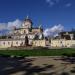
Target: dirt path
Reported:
[(36, 66)]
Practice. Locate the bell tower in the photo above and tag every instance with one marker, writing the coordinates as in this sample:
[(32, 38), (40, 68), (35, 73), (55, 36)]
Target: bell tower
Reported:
[(27, 23)]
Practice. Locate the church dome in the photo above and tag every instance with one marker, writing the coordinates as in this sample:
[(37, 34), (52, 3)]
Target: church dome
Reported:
[(27, 19), (27, 23)]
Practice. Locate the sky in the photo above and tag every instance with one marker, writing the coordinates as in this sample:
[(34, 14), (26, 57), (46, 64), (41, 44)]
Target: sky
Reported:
[(45, 12)]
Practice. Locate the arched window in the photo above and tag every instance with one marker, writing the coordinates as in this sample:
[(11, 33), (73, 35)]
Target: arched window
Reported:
[(16, 42), (4, 43), (24, 31), (8, 43)]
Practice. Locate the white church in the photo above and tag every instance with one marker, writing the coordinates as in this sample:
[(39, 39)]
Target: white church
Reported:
[(25, 35)]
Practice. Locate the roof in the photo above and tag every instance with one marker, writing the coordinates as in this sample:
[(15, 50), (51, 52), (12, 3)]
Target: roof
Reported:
[(28, 19), (21, 28), (37, 28), (22, 34), (70, 32)]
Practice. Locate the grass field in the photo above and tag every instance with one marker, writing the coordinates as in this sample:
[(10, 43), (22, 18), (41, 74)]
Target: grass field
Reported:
[(39, 52)]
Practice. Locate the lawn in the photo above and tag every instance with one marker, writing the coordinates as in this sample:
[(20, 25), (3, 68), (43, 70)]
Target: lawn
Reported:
[(39, 52)]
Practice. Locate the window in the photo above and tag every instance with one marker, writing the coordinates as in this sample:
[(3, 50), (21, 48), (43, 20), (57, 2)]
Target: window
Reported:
[(4, 43), (21, 44), (8, 43), (24, 31), (28, 36), (35, 43), (16, 42), (61, 42)]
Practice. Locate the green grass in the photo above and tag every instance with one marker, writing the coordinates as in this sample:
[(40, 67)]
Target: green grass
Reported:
[(39, 52)]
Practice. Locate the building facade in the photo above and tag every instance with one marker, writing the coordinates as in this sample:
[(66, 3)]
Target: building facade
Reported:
[(65, 39), (26, 35)]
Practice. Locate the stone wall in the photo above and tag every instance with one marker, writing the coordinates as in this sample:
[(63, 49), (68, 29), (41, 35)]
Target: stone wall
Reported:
[(62, 43)]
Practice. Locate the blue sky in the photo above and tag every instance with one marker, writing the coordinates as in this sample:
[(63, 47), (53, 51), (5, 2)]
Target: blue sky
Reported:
[(45, 12)]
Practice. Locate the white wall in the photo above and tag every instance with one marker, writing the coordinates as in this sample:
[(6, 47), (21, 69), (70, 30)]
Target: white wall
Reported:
[(62, 43)]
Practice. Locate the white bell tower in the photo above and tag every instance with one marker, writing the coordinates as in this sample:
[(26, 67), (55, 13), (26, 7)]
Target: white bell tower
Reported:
[(27, 23)]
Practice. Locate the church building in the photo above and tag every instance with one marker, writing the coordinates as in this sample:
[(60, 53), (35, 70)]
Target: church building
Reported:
[(26, 35)]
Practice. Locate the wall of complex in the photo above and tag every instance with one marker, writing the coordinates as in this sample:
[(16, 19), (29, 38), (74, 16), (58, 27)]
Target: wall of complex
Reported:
[(5, 44), (30, 36), (17, 43), (62, 43), (37, 43), (36, 30), (21, 31), (10, 43)]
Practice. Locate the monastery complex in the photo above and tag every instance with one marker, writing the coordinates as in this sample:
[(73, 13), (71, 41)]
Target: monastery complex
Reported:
[(27, 35)]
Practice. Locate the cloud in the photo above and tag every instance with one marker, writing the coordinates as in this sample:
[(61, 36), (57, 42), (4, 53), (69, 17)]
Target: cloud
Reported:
[(9, 26), (53, 31), (3, 26), (17, 23), (52, 2), (68, 5)]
